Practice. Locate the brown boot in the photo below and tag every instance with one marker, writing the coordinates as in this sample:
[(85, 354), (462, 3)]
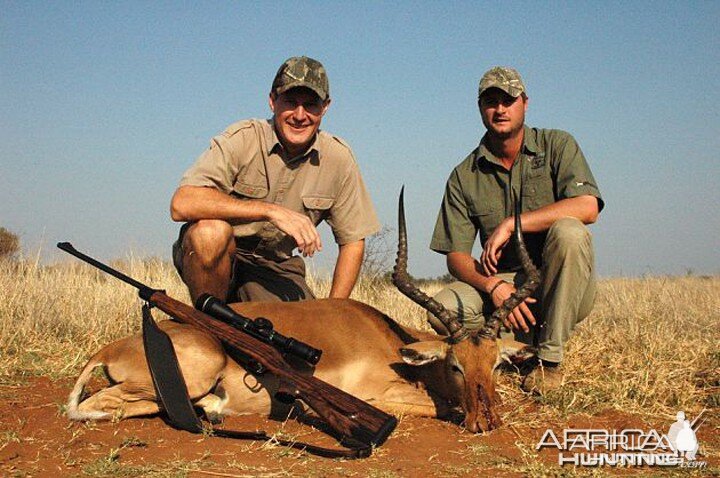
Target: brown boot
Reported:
[(542, 380)]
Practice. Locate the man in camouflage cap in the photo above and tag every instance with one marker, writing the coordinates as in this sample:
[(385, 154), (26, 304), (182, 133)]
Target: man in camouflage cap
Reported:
[(258, 193), (559, 197), (302, 72), (506, 79)]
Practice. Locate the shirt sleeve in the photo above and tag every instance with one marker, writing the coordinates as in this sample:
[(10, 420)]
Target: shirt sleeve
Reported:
[(454, 230), (572, 172), (218, 166), (352, 215)]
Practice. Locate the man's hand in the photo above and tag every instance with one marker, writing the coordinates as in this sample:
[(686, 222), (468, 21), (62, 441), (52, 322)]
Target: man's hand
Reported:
[(584, 208), (492, 250), (193, 203), (520, 316), (299, 226)]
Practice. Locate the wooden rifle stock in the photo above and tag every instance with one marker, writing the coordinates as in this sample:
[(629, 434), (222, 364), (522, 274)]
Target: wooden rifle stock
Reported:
[(360, 424), (353, 418)]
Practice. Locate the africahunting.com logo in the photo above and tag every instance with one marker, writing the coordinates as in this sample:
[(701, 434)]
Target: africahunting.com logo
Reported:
[(629, 447)]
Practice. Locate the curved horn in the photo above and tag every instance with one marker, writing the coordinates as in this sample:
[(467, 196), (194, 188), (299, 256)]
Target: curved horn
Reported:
[(402, 281), (532, 280)]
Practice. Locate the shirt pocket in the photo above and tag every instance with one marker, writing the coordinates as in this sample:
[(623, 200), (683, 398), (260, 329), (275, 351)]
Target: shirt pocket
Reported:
[(537, 190), (317, 207), (249, 191), (486, 216)]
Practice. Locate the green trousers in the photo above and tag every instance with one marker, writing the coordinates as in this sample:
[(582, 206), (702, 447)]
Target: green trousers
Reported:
[(565, 297)]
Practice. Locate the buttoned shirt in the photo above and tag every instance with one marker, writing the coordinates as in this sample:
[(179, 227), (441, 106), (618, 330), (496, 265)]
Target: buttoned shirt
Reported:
[(246, 161), (479, 192)]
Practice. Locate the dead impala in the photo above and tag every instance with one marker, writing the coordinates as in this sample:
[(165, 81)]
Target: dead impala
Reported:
[(365, 353)]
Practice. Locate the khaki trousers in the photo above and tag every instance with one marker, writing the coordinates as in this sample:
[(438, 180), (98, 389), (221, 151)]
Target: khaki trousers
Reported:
[(256, 278), (566, 295)]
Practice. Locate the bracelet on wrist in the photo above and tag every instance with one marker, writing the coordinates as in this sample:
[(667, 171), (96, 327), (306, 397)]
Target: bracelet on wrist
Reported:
[(497, 284)]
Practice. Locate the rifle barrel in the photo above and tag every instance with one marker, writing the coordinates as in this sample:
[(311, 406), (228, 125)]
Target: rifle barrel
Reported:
[(145, 291), (346, 414)]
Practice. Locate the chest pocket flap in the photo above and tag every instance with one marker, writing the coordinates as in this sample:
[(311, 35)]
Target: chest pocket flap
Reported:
[(483, 207), (319, 203), (318, 208), (485, 216), (250, 190)]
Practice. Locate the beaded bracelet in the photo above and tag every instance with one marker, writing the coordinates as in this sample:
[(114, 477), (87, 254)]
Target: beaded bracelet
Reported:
[(497, 284)]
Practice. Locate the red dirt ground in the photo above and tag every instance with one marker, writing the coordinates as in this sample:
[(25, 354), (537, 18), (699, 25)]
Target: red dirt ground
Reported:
[(36, 439)]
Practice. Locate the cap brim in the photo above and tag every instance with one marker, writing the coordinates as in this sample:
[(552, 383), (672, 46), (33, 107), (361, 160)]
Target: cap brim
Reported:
[(514, 92), (301, 84)]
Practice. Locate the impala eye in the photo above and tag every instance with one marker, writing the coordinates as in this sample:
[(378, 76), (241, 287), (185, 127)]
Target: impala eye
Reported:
[(456, 369)]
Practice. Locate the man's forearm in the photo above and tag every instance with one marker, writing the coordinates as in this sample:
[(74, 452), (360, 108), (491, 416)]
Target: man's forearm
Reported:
[(466, 269), (347, 269), (583, 208), (193, 203)]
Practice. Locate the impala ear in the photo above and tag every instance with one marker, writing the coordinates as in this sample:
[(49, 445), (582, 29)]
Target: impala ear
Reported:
[(514, 352), (421, 353)]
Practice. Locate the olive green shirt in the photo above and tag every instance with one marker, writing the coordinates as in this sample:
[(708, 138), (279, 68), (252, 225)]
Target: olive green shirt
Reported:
[(246, 161), (478, 194)]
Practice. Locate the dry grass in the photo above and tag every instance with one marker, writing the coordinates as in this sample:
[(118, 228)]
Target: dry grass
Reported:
[(52, 318), (649, 347)]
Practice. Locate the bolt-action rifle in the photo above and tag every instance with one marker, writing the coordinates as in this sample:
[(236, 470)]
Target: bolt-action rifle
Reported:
[(359, 424)]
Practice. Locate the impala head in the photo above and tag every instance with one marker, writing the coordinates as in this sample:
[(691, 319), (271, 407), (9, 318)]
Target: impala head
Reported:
[(468, 358)]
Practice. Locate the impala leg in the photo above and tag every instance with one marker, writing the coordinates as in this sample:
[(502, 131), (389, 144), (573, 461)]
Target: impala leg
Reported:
[(404, 408), (406, 399), (119, 401), (139, 408), (213, 406)]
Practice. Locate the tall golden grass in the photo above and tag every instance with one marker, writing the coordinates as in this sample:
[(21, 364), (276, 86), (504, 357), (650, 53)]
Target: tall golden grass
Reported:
[(650, 346)]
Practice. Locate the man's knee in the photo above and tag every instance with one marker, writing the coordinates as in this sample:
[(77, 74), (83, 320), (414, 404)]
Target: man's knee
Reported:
[(210, 239), (463, 302), (568, 235)]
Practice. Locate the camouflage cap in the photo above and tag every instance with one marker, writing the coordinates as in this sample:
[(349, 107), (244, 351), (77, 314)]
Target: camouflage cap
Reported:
[(507, 79), (302, 71)]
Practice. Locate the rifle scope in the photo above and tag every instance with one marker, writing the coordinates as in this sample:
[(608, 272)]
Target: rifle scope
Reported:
[(260, 328)]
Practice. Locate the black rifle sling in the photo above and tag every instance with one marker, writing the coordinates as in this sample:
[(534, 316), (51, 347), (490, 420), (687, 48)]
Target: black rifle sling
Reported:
[(169, 382), (171, 389)]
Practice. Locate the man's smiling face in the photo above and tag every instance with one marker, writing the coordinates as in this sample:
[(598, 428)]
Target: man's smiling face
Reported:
[(298, 113)]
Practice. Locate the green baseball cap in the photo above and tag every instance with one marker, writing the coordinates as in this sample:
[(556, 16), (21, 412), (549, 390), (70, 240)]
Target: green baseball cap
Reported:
[(504, 78), (302, 71)]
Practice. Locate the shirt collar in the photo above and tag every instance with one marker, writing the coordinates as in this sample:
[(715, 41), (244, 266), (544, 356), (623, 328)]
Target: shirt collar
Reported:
[(274, 144), (529, 147)]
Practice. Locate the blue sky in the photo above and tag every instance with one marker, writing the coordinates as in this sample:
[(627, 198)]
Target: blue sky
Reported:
[(103, 105)]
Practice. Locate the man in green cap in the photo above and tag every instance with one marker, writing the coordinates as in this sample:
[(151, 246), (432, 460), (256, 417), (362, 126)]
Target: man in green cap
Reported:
[(546, 169), (259, 192)]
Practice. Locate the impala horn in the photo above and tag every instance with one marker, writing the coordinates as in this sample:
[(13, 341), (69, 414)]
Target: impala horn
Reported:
[(402, 281), (532, 281)]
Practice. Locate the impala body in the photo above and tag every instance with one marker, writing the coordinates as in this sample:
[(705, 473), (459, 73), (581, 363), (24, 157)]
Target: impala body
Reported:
[(365, 353)]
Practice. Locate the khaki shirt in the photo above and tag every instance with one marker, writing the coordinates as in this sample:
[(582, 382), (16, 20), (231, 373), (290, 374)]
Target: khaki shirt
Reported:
[(478, 194), (246, 162)]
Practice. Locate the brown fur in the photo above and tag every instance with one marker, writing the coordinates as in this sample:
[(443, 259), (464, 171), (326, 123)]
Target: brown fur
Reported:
[(365, 353)]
